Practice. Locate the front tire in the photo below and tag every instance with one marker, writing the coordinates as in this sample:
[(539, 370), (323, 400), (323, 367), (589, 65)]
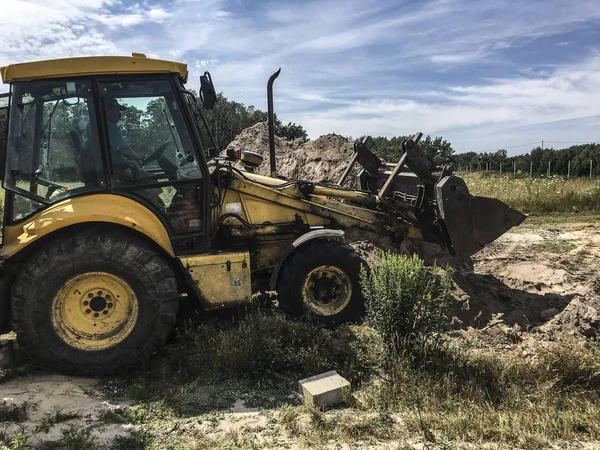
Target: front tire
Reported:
[(94, 302), (322, 280)]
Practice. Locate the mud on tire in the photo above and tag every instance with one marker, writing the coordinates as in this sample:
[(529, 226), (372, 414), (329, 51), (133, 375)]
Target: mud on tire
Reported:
[(321, 280), (122, 259)]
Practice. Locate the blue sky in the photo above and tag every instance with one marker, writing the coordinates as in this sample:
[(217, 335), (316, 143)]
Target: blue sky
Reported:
[(482, 74)]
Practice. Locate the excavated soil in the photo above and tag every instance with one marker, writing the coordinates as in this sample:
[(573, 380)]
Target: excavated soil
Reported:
[(322, 160), (534, 283), (531, 284)]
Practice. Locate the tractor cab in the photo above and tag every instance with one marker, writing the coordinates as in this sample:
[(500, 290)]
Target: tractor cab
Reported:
[(106, 124)]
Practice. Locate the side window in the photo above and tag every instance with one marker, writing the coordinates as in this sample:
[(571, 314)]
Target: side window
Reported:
[(4, 105), (53, 148), (148, 138)]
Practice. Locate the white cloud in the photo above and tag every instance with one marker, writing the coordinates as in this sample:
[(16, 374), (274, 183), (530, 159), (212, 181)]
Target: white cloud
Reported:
[(520, 105), (158, 14), (349, 66)]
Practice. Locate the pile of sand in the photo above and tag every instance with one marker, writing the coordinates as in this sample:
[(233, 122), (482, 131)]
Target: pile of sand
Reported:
[(322, 160)]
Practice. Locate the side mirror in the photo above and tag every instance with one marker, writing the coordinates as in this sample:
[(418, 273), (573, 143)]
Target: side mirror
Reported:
[(207, 91)]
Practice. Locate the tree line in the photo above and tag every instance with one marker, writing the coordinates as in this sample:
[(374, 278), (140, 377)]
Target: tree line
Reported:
[(573, 161), (229, 118)]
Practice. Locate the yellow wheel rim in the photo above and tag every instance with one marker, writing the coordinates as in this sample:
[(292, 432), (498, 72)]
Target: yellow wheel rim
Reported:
[(95, 311), (327, 290)]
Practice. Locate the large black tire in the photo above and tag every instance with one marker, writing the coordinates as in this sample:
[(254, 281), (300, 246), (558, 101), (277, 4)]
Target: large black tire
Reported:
[(123, 259), (321, 280)]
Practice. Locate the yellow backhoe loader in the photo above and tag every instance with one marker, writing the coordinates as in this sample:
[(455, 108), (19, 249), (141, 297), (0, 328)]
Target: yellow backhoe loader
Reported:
[(116, 218)]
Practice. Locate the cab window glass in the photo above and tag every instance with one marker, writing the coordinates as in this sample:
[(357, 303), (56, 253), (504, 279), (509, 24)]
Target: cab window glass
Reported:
[(148, 138), (52, 150)]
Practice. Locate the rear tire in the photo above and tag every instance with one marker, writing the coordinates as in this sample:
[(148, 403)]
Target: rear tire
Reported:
[(322, 280), (94, 303)]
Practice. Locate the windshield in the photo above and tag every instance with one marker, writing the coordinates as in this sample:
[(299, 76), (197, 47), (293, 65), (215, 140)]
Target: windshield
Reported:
[(45, 159)]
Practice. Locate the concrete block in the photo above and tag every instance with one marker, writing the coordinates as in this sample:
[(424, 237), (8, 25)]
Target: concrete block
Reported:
[(325, 389)]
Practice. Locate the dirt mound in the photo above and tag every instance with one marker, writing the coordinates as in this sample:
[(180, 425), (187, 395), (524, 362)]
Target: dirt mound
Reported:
[(326, 158), (256, 139), (322, 160)]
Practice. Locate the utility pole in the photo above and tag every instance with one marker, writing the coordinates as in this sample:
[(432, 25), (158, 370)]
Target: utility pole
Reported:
[(531, 168), (548, 168), (500, 168), (542, 145), (514, 168), (569, 170), (590, 169)]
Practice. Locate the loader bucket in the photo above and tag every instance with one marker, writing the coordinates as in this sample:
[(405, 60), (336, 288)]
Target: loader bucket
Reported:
[(472, 222)]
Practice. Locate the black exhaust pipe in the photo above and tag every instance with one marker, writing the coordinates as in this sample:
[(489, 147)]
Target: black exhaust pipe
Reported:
[(272, 122)]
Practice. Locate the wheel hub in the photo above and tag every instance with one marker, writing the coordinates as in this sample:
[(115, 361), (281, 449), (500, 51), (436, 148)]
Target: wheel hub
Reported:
[(327, 290), (94, 311)]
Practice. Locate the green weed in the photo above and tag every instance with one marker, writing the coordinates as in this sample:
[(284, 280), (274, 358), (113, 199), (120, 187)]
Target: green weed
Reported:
[(407, 302), (538, 196), (11, 412)]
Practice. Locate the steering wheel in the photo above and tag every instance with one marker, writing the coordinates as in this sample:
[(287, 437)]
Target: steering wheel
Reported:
[(156, 154)]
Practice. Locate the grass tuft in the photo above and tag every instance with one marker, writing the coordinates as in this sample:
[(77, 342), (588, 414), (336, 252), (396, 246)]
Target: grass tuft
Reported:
[(11, 412)]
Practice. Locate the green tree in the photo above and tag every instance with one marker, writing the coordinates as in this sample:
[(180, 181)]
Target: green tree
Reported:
[(390, 149), (228, 118), (290, 131)]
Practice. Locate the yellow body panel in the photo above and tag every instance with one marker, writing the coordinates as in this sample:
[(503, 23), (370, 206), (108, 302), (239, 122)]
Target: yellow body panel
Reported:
[(222, 279), (106, 208), (92, 65), (259, 211)]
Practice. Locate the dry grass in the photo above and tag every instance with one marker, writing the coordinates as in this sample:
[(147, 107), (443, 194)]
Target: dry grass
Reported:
[(445, 393), (538, 195)]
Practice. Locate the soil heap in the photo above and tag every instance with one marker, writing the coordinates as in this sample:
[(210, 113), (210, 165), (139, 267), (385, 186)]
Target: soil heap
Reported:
[(322, 160)]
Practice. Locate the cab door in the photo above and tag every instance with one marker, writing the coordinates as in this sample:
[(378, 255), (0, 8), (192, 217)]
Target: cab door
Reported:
[(4, 109), (152, 156)]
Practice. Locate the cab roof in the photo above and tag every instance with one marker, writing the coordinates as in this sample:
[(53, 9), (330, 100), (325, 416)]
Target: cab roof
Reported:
[(91, 65)]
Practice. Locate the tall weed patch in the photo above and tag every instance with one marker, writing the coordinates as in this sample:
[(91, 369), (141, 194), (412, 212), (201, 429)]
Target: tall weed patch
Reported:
[(407, 302)]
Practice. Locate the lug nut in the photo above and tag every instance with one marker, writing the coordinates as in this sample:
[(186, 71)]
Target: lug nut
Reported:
[(105, 312), (87, 311), (86, 303), (107, 297), (90, 295), (96, 314), (110, 305), (99, 293)]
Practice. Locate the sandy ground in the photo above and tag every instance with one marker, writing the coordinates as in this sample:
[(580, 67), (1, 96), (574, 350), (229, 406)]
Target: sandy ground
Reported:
[(535, 283)]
